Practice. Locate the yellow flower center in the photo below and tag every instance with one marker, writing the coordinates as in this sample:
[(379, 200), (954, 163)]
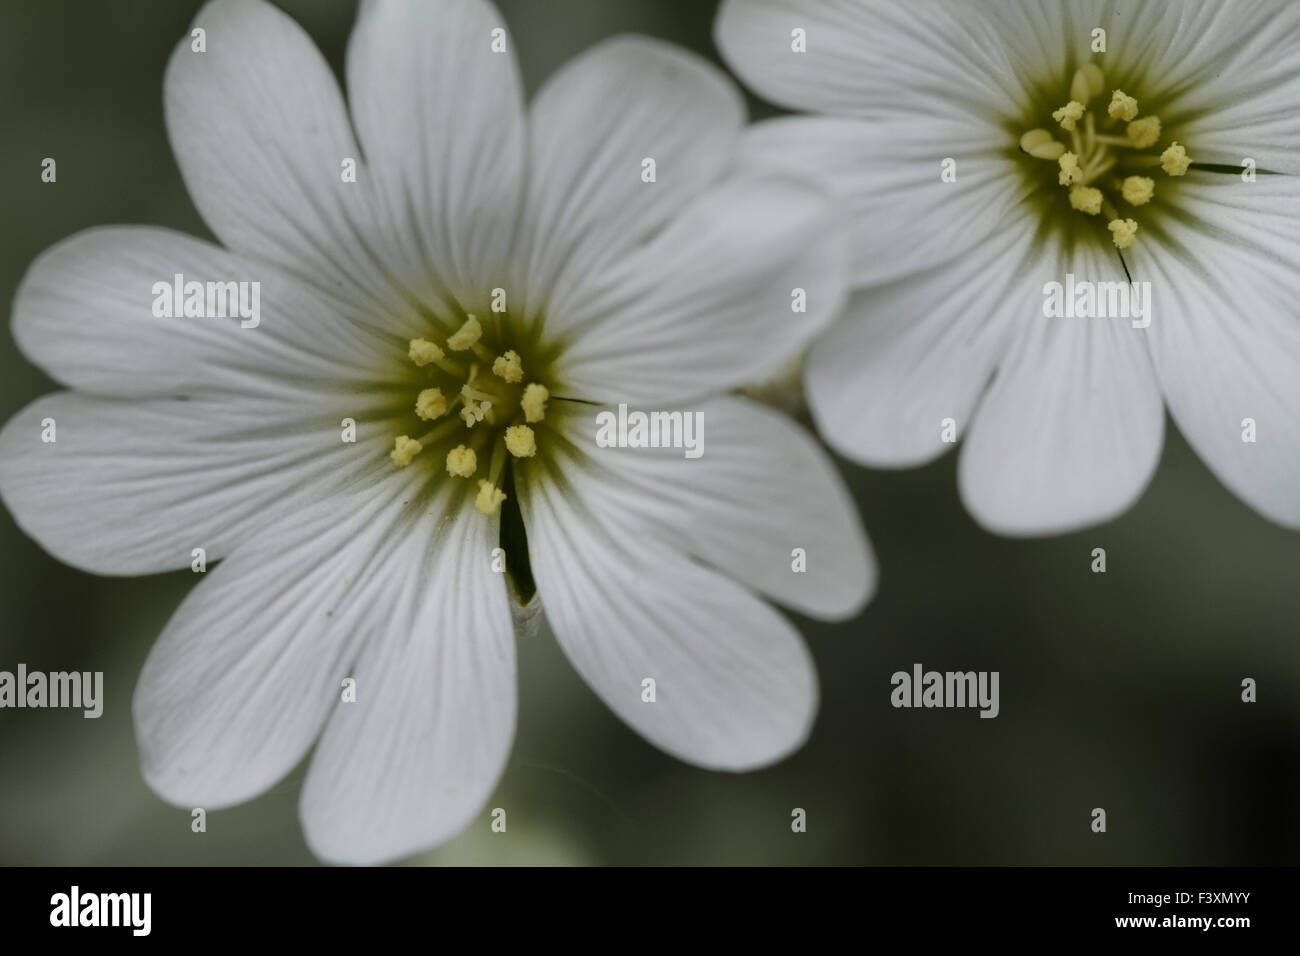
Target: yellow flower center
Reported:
[(482, 406), (1099, 166)]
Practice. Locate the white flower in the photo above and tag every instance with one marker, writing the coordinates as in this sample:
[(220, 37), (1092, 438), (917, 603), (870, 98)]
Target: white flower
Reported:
[(374, 560), (1061, 168)]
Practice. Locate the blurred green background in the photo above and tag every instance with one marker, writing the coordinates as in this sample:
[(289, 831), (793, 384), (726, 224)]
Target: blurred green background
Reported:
[(1119, 690)]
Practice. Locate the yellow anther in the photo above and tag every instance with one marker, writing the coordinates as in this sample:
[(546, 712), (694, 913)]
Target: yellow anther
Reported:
[(489, 498), (466, 336), (1068, 115), (520, 441), (1124, 232), (1096, 78), (1049, 151), (1086, 199), (404, 450), (1088, 82), (1034, 137), (1122, 106), (1070, 171), (534, 402), (461, 462), (1138, 190), (508, 367), (1040, 144), (1144, 132), (1175, 160), (430, 404), (423, 352)]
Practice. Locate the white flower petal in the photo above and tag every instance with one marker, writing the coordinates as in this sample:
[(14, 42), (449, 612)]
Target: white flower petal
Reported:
[(932, 59), (735, 686), (413, 760), (260, 132), (760, 488), (1070, 431), (886, 173), (245, 674), (1229, 75), (592, 124), (84, 313), (1226, 338), (1253, 117), (440, 116), (132, 487), (909, 355), (710, 303)]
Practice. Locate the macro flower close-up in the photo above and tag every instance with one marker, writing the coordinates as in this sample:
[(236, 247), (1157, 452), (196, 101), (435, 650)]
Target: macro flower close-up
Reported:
[(390, 448), (1066, 218), (448, 435)]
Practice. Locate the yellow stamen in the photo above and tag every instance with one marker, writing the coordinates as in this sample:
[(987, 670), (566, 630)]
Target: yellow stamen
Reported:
[(1096, 78), (1124, 232), (404, 450), (1068, 115), (1086, 199), (1040, 144), (521, 441), (508, 367), (1034, 137), (1088, 81), (489, 498), (1049, 151), (465, 337), (430, 404), (1138, 190), (461, 462), (469, 391), (1099, 164), (474, 412), (1144, 132), (1122, 106), (534, 402), (1175, 160), (423, 352), (1070, 170)]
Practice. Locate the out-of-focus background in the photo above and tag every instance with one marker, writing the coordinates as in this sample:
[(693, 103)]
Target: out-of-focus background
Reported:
[(1118, 690)]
